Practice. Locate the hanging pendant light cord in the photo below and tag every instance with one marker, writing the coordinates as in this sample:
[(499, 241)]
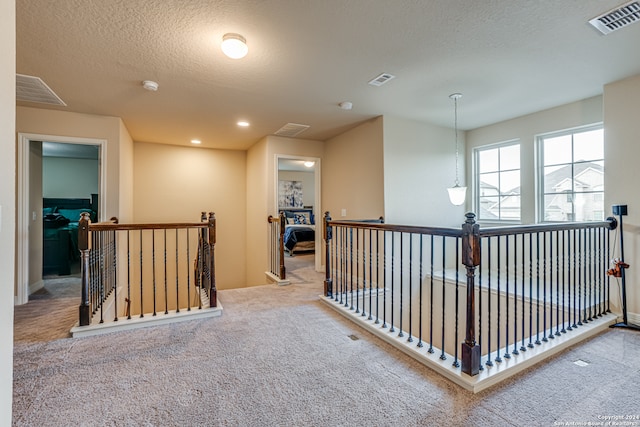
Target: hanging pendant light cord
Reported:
[(455, 97)]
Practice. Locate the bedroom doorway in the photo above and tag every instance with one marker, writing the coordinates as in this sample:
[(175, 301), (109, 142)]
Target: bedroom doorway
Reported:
[(30, 223), (298, 194)]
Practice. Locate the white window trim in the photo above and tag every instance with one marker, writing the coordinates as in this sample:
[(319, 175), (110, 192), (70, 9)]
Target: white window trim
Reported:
[(539, 166), (476, 182)]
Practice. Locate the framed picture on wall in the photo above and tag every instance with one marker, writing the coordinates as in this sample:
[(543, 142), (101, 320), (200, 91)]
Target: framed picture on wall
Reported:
[(290, 194)]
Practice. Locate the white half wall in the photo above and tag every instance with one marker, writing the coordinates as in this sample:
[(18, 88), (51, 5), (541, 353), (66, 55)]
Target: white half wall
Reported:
[(7, 202)]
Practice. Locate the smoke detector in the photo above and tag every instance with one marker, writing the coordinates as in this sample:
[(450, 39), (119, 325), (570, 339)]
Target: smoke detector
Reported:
[(150, 85)]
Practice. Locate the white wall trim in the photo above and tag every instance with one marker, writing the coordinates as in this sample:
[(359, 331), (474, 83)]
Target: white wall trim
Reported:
[(22, 237)]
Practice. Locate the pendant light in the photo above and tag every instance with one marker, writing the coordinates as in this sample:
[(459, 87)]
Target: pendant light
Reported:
[(457, 194)]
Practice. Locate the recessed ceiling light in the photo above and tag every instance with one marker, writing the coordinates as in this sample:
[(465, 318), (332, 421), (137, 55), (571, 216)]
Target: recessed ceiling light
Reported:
[(234, 46), (243, 124), (196, 141), (309, 164)]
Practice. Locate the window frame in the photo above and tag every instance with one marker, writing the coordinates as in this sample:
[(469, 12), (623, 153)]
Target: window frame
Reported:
[(476, 180), (539, 166)]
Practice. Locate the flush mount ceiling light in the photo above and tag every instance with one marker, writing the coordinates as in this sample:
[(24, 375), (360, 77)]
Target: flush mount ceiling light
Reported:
[(196, 141), (243, 123), (234, 46), (150, 85), (309, 164), (457, 194)]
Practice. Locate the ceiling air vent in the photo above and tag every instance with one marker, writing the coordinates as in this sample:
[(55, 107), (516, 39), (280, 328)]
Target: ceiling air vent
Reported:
[(381, 79), (291, 130), (33, 89), (617, 18)]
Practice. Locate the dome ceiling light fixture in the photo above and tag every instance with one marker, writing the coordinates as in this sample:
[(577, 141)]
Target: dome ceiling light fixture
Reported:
[(234, 46)]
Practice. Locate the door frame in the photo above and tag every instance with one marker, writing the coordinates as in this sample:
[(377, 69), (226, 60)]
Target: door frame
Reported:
[(23, 217), (319, 215)]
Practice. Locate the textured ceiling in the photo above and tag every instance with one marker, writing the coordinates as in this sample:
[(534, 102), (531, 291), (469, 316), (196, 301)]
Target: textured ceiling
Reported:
[(508, 58)]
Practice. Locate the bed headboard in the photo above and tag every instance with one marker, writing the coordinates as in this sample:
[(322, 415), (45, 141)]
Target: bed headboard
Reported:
[(291, 212), (72, 204)]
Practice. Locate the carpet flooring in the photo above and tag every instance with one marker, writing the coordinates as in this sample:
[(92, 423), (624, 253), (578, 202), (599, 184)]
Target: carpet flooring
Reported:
[(279, 357)]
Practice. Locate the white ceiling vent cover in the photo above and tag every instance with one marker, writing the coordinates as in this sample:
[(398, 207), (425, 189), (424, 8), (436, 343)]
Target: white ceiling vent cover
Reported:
[(381, 79), (617, 18), (291, 130), (33, 89)]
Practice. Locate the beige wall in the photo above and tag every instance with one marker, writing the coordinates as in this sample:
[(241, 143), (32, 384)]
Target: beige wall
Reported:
[(176, 184), (62, 123), (353, 173), (257, 213), (125, 191), (525, 128), (419, 166), (7, 202), (622, 151)]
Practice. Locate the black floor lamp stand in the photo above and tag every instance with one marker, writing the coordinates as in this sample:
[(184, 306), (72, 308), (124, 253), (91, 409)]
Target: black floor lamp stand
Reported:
[(621, 210)]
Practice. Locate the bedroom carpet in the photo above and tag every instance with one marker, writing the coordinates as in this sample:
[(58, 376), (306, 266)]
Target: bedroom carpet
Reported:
[(279, 357)]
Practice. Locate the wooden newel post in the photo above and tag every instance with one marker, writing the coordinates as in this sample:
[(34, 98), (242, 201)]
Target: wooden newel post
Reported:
[(213, 293), (283, 226), (328, 283), (84, 247), (471, 259)]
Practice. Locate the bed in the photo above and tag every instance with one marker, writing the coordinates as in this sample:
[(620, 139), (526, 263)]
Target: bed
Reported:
[(60, 218), (299, 233)]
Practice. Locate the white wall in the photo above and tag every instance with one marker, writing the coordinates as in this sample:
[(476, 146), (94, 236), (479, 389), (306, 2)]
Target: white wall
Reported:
[(67, 177), (419, 166), (7, 202), (621, 153), (525, 128)]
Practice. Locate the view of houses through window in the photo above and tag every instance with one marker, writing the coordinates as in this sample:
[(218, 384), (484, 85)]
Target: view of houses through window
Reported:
[(498, 182), (572, 175)]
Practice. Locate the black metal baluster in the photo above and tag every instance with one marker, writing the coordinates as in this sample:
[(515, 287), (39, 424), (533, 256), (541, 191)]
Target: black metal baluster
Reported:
[(538, 288), (410, 339), (166, 289), (480, 336), (489, 362), (575, 268), (456, 364), (400, 332), (356, 256), (128, 276), (393, 276), (530, 345), (580, 278), (141, 285), (384, 277), (177, 273), (608, 278), (420, 278), (523, 347), (565, 253), (377, 276), (351, 307), (592, 300), (431, 298), (558, 306), (188, 273), (515, 295), (506, 275), (153, 267), (498, 359), (371, 276), (544, 287), (442, 356)]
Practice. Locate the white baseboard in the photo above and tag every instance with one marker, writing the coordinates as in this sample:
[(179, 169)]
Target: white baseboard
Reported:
[(35, 287)]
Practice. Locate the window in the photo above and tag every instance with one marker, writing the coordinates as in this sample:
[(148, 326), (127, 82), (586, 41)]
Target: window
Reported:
[(497, 182), (571, 175)]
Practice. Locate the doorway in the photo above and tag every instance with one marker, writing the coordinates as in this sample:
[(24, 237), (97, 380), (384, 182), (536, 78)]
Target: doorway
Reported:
[(301, 176), (31, 189)]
